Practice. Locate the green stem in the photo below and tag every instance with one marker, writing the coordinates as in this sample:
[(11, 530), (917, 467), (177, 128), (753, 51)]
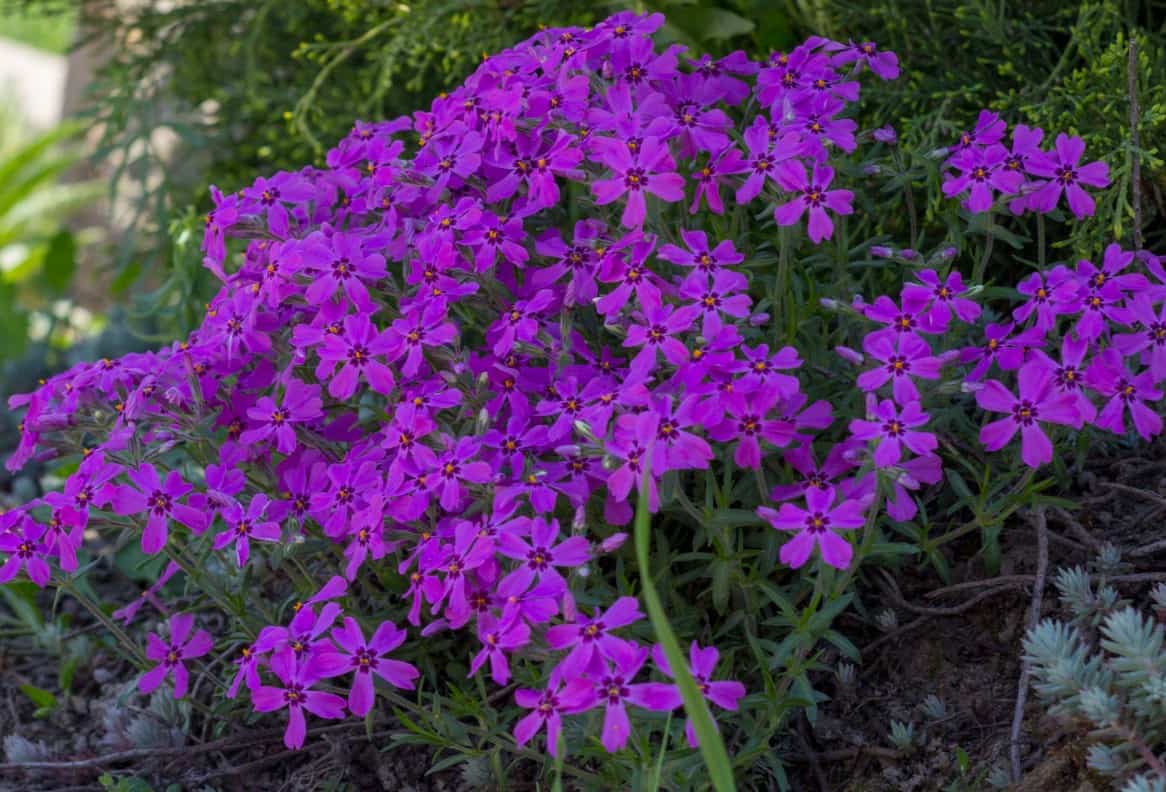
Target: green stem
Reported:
[(982, 264), (136, 651), (1040, 241), (712, 747)]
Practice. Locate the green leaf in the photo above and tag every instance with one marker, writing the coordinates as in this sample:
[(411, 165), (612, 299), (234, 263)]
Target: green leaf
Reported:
[(712, 747), (710, 24), (60, 261), (39, 696)]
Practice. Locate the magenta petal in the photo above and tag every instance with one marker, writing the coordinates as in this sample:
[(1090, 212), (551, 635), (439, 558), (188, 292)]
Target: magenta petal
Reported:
[(836, 551), (181, 681), (297, 729), (796, 551), (656, 696), (1035, 447), (362, 695), (616, 727), (726, 694), (152, 678), (526, 728), (155, 534), (267, 699), (326, 705), (996, 435)]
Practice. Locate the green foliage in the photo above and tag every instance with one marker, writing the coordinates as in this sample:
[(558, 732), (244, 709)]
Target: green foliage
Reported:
[(1049, 63), (51, 26)]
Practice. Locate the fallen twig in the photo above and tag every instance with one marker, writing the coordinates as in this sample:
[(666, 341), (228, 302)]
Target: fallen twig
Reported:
[(1076, 527), (225, 744), (1141, 493), (1024, 580)]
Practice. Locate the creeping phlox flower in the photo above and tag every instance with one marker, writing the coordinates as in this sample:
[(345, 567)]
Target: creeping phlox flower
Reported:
[(413, 365), (1031, 179), (171, 654)]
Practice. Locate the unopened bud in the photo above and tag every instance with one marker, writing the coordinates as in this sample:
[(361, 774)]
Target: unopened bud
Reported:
[(849, 355), (613, 542), (584, 428)]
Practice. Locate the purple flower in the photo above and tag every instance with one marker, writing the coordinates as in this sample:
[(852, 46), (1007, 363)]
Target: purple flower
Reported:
[(1150, 340), (815, 199), (160, 500), (499, 636), (910, 357), (356, 349), (713, 175), (591, 641), (1008, 353), (1109, 376), (341, 263), (412, 333), (1069, 376), (747, 420), (296, 696), (171, 657), (242, 527), (300, 641), (1039, 402), (549, 706), (883, 64), (615, 690), (651, 170), (894, 428), (1065, 175), (982, 171), (675, 448), (716, 298), (1050, 295), (543, 553), (944, 298), (454, 467), (1099, 308), (25, 550), (519, 323), (767, 158), (450, 159), (988, 131), (660, 324), (701, 664), (365, 658), (816, 525), (301, 403)]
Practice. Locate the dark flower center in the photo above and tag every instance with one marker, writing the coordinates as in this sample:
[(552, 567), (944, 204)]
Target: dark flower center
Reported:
[(635, 178), (1025, 412), (817, 522)]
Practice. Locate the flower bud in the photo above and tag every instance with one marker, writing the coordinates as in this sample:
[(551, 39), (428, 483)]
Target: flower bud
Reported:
[(584, 428), (613, 542), (886, 134), (881, 251), (850, 355)]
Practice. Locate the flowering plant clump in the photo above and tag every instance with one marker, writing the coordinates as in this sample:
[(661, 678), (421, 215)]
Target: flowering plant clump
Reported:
[(441, 371)]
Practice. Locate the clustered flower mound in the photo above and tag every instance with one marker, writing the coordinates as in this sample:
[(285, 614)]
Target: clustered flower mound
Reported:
[(456, 351)]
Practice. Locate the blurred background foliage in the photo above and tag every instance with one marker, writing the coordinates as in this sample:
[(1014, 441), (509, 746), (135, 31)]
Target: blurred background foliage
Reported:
[(221, 91)]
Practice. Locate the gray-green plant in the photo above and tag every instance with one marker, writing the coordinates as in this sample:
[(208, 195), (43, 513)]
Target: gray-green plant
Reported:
[(1106, 669)]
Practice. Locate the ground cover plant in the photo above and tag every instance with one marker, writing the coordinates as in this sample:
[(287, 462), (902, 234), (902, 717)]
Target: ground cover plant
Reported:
[(394, 471)]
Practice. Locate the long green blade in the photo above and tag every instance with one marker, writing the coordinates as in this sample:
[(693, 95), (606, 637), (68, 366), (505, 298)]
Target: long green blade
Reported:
[(712, 748)]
